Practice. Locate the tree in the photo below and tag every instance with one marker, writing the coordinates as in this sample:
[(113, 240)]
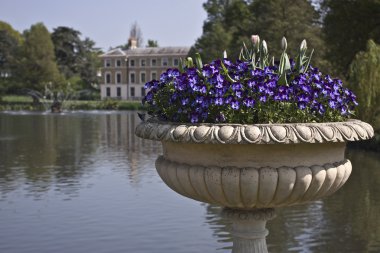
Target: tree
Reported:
[(37, 67), (215, 37), (10, 41), (296, 20), (89, 63), (229, 23), (152, 43), (348, 26), (68, 50), (364, 76), (77, 59)]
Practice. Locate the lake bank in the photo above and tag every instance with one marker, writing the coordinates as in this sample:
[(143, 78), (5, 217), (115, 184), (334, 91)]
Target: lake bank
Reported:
[(19, 103)]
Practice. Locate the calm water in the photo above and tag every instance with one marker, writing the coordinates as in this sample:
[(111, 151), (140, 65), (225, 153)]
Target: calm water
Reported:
[(82, 182)]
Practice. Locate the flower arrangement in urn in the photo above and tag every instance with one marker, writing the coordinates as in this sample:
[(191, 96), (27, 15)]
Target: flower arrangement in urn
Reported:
[(252, 135), (254, 89)]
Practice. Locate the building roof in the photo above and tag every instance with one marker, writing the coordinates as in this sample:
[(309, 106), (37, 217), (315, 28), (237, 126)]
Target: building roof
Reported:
[(148, 51)]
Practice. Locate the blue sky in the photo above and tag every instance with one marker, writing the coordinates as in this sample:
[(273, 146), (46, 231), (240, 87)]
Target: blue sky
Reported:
[(170, 22)]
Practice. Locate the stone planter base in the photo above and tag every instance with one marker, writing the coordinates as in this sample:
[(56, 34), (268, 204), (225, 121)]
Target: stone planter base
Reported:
[(248, 229), (251, 169), (248, 188)]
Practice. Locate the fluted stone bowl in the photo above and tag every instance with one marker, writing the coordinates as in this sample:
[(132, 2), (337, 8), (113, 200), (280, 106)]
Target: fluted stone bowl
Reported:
[(254, 166)]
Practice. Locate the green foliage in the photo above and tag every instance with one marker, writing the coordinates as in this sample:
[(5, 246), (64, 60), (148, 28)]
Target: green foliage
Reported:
[(67, 49), (76, 58), (348, 25), (152, 43), (230, 23), (364, 80), (10, 41), (37, 66)]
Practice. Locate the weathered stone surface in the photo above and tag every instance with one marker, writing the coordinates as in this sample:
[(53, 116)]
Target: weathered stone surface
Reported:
[(251, 188), (351, 130)]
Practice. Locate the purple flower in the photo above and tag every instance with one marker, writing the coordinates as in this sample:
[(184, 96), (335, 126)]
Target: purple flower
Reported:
[(263, 99), (249, 102), (185, 101), (235, 104), (251, 83), (203, 89), (221, 118), (194, 117), (219, 101), (332, 104), (199, 99), (237, 86)]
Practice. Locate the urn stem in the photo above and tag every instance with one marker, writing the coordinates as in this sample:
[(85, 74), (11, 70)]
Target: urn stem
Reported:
[(248, 229)]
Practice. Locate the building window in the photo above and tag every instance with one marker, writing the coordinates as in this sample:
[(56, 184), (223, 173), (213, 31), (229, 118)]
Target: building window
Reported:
[(132, 63), (165, 61), (132, 91), (142, 91), (133, 78), (118, 91), (154, 62), (142, 78), (142, 62), (107, 63), (108, 78), (154, 75), (118, 78), (118, 63), (176, 62), (108, 91)]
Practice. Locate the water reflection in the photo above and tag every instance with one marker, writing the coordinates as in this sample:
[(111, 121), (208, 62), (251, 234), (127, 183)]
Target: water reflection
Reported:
[(43, 151), (348, 221), (97, 183)]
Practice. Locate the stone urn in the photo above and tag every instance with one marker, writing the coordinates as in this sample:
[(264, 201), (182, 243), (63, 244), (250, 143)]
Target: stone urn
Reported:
[(252, 169)]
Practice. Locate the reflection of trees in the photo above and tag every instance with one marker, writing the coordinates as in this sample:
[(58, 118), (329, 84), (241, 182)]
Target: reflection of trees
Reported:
[(45, 150), (348, 221), (41, 151)]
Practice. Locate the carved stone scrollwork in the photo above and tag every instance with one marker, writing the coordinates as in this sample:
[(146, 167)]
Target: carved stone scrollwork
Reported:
[(352, 130)]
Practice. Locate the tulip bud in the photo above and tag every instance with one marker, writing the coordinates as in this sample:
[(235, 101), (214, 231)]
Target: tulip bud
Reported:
[(225, 54), (255, 39), (284, 44), (265, 48), (303, 46)]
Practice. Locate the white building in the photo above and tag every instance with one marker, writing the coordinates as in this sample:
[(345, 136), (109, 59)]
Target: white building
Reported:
[(125, 72)]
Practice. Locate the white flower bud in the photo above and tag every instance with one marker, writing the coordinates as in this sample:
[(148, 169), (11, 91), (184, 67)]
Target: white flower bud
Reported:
[(265, 48), (284, 43), (303, 45), (225, 54), (255, 39)]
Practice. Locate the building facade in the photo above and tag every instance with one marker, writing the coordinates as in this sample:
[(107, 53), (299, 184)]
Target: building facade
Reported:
[(125, 72)]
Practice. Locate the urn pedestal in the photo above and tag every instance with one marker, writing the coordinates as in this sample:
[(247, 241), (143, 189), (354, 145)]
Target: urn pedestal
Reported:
[(252, 169)]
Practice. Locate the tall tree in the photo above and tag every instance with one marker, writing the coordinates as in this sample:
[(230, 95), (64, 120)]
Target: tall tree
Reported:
[(215, 37), (77, 59), (10, 41), (348, 26), (296, 20), (364, 76), (67, 47), (89, 63), (37, 66), (229, 23)]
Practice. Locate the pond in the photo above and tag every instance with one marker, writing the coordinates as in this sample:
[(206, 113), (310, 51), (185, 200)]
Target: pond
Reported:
[(82, 182)]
